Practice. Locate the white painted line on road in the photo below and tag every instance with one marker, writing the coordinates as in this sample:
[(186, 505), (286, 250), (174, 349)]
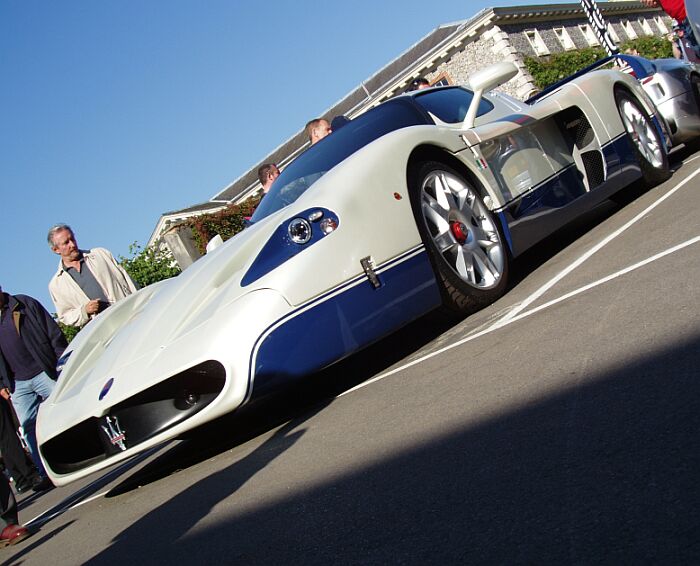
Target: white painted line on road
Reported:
[(586, 256), (420, 360), (615, 275), (523, 315), (89, 499), (518, 314)]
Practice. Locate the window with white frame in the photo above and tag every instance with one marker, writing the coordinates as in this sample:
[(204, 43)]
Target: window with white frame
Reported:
[(587, 32), (443, 79), (629, 30), (644, 24), (613, 34), (564, 38), (533, 36), (659, 21)]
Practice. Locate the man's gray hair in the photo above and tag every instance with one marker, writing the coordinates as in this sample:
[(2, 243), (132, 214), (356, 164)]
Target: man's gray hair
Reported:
[(57, 228)]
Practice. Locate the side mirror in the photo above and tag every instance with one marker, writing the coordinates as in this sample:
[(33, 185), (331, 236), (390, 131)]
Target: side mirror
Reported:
[(483, 81)]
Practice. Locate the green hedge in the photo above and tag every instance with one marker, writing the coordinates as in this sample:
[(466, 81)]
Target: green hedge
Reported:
[(650, 47), (552, 68)]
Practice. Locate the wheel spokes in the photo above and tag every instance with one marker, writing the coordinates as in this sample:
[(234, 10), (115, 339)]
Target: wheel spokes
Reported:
[(642, 133), (476, 267), (462, 229), (443, 193)]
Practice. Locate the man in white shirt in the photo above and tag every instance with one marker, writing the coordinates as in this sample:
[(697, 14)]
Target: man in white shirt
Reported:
[(87, 281)]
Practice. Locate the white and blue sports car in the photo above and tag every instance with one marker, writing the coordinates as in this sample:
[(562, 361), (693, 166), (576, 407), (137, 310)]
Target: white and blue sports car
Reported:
[(418, 204)]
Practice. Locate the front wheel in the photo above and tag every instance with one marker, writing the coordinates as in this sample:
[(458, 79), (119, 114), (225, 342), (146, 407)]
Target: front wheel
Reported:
[(462, 237), (646, 140)]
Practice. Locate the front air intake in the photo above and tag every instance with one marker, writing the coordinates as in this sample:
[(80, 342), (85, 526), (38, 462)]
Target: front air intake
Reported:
[(136, 419)]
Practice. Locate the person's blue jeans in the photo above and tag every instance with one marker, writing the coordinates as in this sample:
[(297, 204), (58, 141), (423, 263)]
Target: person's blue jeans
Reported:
[(26, 398)]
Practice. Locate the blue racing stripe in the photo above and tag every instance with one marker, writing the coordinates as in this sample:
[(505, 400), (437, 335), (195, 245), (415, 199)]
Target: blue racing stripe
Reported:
[(343, 321)]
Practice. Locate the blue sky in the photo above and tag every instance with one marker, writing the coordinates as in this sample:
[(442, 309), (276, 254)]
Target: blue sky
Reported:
[(114, 112)]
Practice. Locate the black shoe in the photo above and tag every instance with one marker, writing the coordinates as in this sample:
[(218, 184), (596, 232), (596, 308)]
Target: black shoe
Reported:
[(41, 484)]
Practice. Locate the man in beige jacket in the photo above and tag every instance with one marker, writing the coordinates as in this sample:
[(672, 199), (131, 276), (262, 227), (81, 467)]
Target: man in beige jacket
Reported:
[(87, 281)]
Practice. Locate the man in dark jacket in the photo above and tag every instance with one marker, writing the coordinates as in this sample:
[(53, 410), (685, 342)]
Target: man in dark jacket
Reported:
[(30, 344)]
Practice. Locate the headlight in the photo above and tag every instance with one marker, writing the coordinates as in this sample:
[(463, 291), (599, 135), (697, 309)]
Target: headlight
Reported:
[(299, 231)]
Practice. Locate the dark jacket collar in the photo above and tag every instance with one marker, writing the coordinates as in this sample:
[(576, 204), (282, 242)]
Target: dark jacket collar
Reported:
[(10, 302)]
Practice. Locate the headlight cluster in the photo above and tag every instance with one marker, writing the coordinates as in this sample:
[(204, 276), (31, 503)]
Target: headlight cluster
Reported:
[(291, 237), (300, 230)]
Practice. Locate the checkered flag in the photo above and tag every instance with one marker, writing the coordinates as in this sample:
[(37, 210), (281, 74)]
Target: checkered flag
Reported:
[(599, 26)]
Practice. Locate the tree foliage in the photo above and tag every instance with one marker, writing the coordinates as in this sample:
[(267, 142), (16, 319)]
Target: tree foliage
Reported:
[(68, 331), (549, 69), (149, 265), (651, 47)]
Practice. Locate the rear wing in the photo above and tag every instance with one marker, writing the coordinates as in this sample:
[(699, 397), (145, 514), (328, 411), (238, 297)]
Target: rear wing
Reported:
[(638, 67)]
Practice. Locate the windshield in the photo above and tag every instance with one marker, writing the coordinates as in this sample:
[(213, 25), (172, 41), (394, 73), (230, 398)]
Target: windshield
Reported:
[(320, 158)]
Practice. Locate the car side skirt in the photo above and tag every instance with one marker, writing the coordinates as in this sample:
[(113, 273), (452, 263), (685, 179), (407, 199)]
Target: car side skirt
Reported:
[(343, 321)]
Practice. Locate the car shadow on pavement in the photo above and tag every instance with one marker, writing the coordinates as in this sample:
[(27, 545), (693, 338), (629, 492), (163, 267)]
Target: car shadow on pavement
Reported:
[(602, 472)]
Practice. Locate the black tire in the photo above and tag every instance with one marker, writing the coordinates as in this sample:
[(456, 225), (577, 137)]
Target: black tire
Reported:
[(646, 140), (462, 238)]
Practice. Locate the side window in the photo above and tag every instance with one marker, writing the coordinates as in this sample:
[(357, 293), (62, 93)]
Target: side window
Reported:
[(613, 34), (629, 29), (644, 24), (658, 20)]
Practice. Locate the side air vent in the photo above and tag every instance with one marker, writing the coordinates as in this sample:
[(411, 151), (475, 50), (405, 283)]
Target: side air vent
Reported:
[(594, 167), (584, 147)]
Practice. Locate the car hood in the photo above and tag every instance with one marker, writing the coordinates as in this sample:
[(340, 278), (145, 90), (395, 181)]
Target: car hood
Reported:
[(135, 334)]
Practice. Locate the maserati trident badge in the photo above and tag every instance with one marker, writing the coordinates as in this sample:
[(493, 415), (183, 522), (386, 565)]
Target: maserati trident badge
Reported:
[(113, 432)]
